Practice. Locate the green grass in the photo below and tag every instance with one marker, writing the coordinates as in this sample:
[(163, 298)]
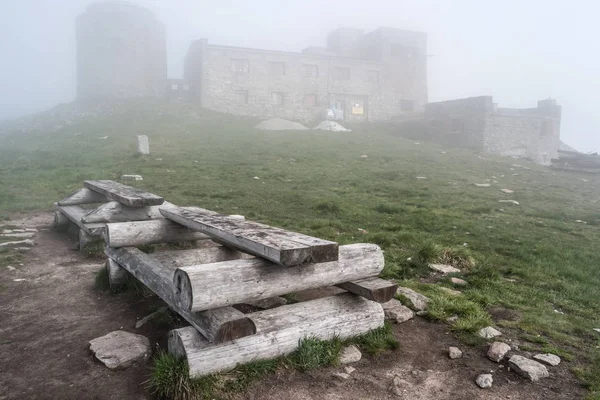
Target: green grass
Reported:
[(317, 183)]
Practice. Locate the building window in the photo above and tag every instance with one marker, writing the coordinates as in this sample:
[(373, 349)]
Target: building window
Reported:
[(186, 88), (277, 98), (310, 100), (342, 73), (240, 66), (174, 86), (311, 71), (373, 76), (407, 105), (277, 68), (241, 96)]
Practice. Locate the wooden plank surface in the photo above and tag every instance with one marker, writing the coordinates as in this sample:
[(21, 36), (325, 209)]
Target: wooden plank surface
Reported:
[(217, 325), (82, 196), (206, 286), (124, 194), (75, 213), (374, 289), (277, 245), (279, 332), (133, 234)]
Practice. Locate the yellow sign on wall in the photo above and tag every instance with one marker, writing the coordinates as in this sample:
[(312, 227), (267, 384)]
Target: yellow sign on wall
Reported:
[(358, 110)]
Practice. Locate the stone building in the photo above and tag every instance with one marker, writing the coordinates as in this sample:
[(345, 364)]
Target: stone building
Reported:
[(121, 52), (477, 123), (364, 77)]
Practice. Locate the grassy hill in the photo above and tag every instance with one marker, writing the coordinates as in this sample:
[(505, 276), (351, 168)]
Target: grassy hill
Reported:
[(532, 268)]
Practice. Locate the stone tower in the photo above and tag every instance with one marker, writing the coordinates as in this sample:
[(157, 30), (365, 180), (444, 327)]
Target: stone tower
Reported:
[(121, 52)]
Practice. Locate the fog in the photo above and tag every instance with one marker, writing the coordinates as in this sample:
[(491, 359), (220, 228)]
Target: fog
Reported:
[(517, 51)]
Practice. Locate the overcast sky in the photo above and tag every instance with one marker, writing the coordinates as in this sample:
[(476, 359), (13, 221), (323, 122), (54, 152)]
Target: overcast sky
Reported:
[(518, 51)]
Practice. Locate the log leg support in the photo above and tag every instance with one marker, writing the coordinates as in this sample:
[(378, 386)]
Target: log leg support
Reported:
[(85, 238), (61, 222), (117, 275)]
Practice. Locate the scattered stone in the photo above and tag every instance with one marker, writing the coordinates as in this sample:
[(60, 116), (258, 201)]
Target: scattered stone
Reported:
[(421, 177), (271, 302), (341, 375), (483, 185), (397, 312), (580, 221), (364, 156), (236, 216), (256, 178), (489, 332), (19, 280), (132, 177), (143, 145), (120, 349), (596, 329), (484, 381), (104, 138), (444, 269), (449, 291), (26, 242), (331, 126), (362, 231), (160, 159), (509, 201), (149, 317), (507, 191), (454, 353), (19, 235), (452, 319), (458, 281), (497, 351), (527, 368), (421, 313), (419, 302), (349, 369), (10, 268), (548, 358), (23, 248), (350, 354), (280, 124)]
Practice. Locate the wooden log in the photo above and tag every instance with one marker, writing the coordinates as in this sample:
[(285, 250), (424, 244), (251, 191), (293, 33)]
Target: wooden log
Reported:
[(374, 289), (117, 275), (277, 245), (82, 196), (218, 325), (133, 234), (61, 222), (184, 258), (74, 213), (124, 194), (279, 332), (116, 212), (206, 286)]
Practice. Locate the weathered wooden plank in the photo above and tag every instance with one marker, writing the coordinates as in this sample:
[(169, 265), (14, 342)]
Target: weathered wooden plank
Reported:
[(217, 325), (116, 212), (374, 289), (277, 245), (123, 234), (184, 258), (206, 286), (74, 213), (279, 332), (82, 196), (124, 194)]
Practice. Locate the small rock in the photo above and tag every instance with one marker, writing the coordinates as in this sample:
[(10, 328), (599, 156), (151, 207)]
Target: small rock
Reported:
[(397, 312), (444, 268), (580, 221), (349, 369), (419, 302), (364, 156), (459, 282), (237, 217), (421, 177), (489, 332), (454, 353), (509, 201), (350, 354), (341, 375), (527, 368), (104, 138), (362, 231), (26, 242), (483, 185), (10, 268), (452, 319), (449, 291), (484, 381), (19, 280), (18, 235), (497, 351), (120, 349), (596, 329), (257, 178), (548, 358), (132, 177), (421, 313)]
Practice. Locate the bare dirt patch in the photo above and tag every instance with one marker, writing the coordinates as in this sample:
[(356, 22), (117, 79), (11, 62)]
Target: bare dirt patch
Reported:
[(47, 320)]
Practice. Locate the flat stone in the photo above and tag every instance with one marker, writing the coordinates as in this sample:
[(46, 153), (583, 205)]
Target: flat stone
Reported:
[(120, 349), (458, 281), (497, 351), (341, 375), (349, 369), (454, 353), (26, 242), (452, 319), (548, 358), (483, 185), (527, 368), (419, 302), (10, 268), (397, 312), (18, 235), (596, 329), (444, 268), (350, 354), (132, 177), (271, 302), (237, 217), (516, 203), (449, 291), (507, 191), (484, 381), (489, 332)]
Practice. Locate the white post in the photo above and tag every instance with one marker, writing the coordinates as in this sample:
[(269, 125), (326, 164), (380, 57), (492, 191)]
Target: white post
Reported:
[(143, 146)]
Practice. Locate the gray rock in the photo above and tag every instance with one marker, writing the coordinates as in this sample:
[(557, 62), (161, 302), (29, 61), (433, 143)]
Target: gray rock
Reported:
[(350, 354), (120, 349), (452, 319), (18, 235), (444, 269), (497, 351), (419, 302), (132, 177), (397, 312), (421, 313), (449, 291), (454, 353), (26, 242), (459, 282), (527, 368), (484, 381), (349, 369), (489, 332), (548, 358), (341, 375), (10, 268)]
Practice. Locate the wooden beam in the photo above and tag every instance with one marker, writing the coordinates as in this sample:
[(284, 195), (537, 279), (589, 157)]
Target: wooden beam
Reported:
[(374, 289), (117, 275), (206, 286), (279, 332), (124, 194), (184, 258), (116, 212), (74, 213), (277, 245), (124, 234), (82, 196), (218, 325)]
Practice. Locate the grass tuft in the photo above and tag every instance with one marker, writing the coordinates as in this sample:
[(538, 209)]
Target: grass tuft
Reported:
[(378, 340), (314, 353), (170, 378)]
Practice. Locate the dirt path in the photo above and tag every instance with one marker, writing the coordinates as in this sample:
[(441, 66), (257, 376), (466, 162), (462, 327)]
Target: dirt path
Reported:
[(47, 320)]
